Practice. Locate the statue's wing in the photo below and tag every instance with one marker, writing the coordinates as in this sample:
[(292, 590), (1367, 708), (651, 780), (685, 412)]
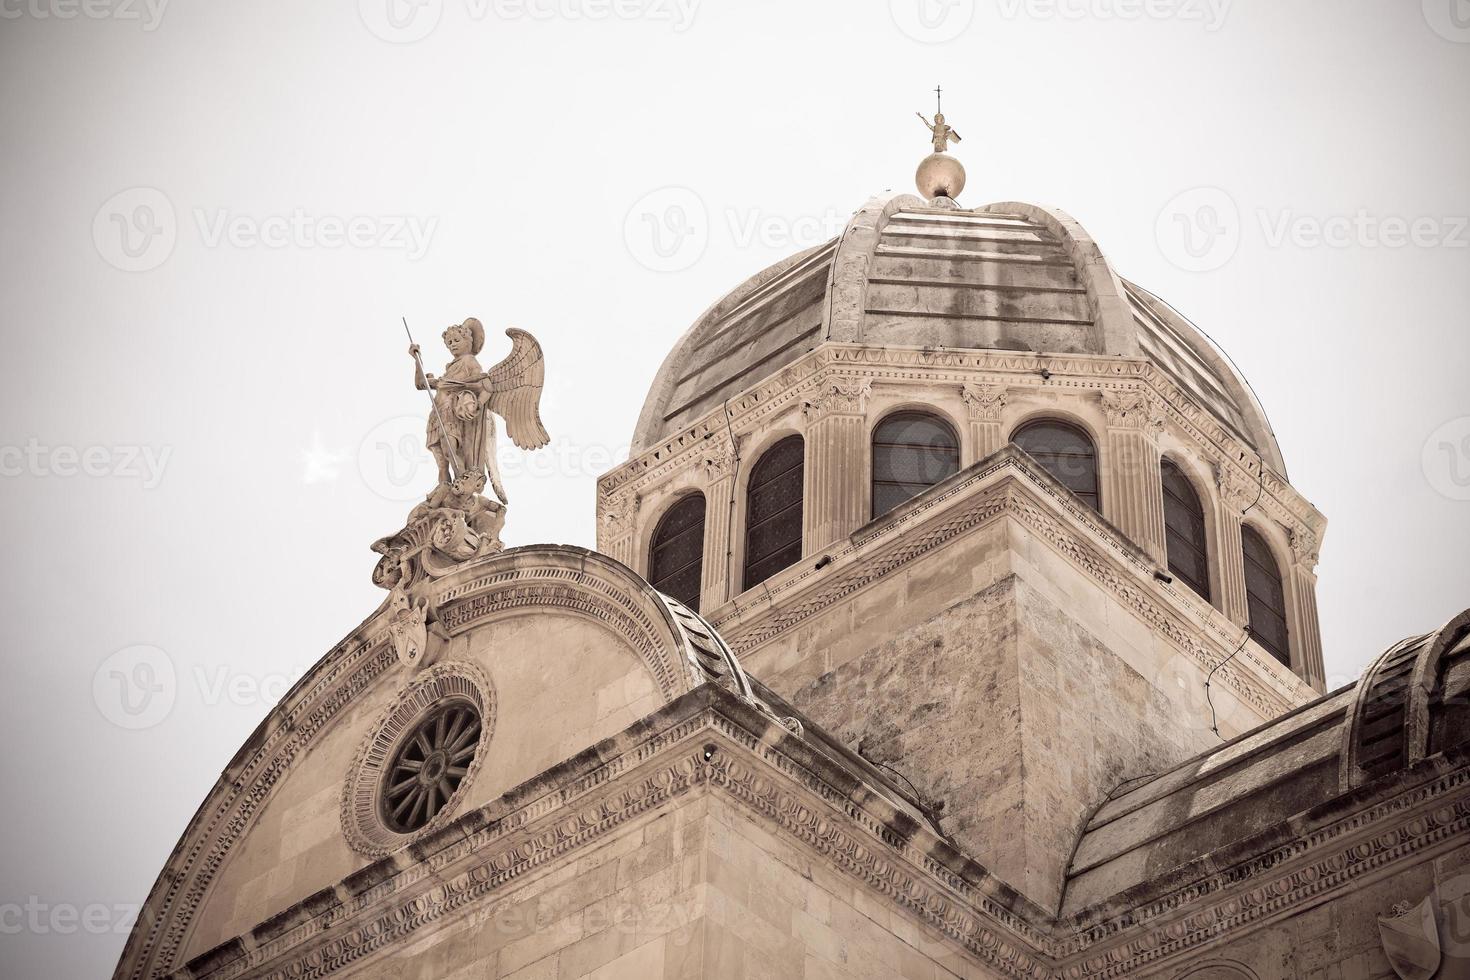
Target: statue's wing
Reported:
[(515, 390)]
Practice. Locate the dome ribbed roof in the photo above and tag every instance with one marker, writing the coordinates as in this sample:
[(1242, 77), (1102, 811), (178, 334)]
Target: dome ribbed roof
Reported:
[(904, 273)]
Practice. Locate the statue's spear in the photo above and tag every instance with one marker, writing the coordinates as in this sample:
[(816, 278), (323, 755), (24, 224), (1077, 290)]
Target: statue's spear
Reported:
[(434, 405)]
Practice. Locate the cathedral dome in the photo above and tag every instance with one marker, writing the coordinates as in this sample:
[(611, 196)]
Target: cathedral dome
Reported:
[(907, 273)]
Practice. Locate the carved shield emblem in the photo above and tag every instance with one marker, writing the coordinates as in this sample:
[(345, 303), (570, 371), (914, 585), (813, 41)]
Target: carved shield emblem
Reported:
[(408, 628), (1411, 940)]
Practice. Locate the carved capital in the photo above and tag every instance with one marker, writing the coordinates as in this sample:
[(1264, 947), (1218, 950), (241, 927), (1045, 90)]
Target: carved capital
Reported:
[(719, 461), (1132, 410), (985, 402), (1305, 545), (838, 396), (1237, 490), (618, 511)]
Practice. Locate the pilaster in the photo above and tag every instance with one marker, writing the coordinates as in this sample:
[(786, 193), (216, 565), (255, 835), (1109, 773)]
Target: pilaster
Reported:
[(617, 519), (985, 403), (1306, 632), (719, 491), (1133, 497), (836, 462), (1235, 496)]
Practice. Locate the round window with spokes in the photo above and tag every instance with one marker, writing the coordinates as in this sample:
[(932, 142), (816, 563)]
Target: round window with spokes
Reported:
[(429, 765), (417, 762)]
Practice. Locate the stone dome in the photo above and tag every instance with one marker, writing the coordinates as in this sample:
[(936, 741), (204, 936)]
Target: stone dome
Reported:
[(904, 273)]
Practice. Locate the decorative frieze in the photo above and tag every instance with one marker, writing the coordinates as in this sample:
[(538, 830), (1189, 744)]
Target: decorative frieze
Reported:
[(779, 784)]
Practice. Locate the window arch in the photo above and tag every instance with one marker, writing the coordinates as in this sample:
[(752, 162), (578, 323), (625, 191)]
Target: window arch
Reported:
[(773, 511), (911, 452), (676, 556), (1265, 597), (1064, 451), (1185, 537)]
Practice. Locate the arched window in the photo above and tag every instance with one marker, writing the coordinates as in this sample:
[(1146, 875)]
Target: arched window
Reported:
[(1065, 452), (773, 511), (1184, 531), (676, 558), (911, 451), (1264, 595)]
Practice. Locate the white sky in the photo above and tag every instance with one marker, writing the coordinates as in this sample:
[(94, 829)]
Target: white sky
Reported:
[(521, 147)]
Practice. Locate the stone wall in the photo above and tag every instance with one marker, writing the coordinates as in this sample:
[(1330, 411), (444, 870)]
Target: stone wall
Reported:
[(697, 891), (1340, 941)]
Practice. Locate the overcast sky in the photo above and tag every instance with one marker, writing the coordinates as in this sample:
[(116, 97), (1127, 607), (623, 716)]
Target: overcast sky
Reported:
[(215, 213)]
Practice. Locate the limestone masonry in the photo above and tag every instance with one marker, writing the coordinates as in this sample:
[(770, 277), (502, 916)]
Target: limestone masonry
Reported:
[(953, 617)]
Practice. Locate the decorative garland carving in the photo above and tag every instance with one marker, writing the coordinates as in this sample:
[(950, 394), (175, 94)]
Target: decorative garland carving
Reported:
[(838, 396), (1133, 409), (985, 401)]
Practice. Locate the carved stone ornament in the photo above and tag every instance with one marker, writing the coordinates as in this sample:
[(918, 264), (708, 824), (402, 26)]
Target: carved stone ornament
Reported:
[(1132, 410), (1411, 939), (453, 525), (839, 396), (1237, 490), (986, 402), (1305, 544), (408, 626), (719, 461), (456, 522), (618, 511)]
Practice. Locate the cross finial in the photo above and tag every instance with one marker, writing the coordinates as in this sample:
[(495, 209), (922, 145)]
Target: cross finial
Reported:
[(938, 98)]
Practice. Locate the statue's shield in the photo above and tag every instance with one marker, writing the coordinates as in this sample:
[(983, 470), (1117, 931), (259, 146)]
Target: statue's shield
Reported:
[(1411, 941)]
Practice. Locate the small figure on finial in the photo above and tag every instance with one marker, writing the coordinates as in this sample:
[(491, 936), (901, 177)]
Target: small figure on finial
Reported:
[(940, 177), (942, 132)]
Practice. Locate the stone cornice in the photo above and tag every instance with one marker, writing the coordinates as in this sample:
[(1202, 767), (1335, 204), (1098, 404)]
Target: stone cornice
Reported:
[(774, 775), (796, 791), (1329, 850), (805, 378)]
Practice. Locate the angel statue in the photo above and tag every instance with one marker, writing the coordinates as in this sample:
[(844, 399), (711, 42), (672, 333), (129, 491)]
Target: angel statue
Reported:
[(942, 132), (461, 430)]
